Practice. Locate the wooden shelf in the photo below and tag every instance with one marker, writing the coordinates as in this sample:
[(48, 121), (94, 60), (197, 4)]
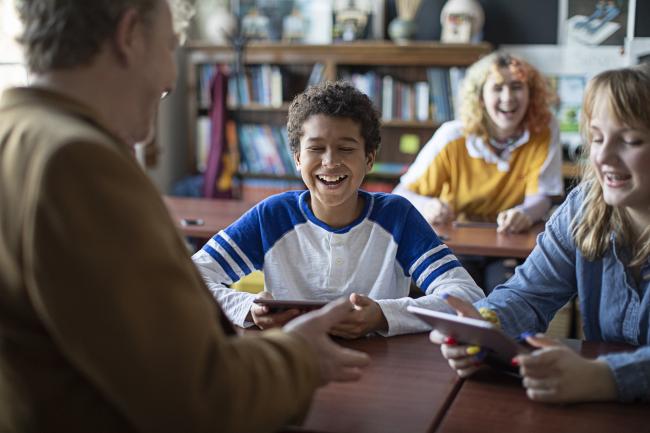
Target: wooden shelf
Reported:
[(396, 123), (416, 53), (259, 107), (407, 63)]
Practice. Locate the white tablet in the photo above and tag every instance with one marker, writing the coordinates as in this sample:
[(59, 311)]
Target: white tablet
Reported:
[(473, 332)]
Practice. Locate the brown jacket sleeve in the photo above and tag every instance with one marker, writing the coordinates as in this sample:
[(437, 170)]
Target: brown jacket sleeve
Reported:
[(113, 283)]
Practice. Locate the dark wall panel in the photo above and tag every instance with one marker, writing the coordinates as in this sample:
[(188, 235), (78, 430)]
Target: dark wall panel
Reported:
[(642, 20), (506, 21), (520, 22)]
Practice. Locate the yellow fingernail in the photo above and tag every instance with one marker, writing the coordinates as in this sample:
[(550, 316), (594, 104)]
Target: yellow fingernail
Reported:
[(473, 350)]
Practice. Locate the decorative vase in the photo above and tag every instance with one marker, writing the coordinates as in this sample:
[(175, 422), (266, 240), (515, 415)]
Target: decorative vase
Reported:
[(401, 31), (215, 22)]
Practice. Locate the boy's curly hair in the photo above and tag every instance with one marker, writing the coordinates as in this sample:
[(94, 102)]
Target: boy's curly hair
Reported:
[(335, 99)]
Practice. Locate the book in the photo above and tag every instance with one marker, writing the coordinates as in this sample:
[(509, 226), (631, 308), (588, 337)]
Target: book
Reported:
[(250, 162), (387, 98), (316, 75), (456, 76), (276, 87), (422, 104), (203, 126), (438, 80)]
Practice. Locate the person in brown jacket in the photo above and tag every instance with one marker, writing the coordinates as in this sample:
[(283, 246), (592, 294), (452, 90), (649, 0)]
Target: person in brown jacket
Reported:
[(105, 324)]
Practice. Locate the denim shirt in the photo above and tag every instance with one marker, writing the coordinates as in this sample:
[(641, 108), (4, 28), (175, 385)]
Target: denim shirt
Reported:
[(613, 307)]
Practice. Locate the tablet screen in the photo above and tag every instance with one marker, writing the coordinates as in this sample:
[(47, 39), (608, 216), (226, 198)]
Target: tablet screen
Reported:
[(473, 332), (277, 305)]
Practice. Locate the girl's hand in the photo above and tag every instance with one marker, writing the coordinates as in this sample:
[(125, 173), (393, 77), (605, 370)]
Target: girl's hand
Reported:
[(366, 317), (438, 212), (462, 358), (513, 221), (557, 374)]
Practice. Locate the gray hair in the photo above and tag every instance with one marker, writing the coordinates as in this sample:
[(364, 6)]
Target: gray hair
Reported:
[(60, 34)]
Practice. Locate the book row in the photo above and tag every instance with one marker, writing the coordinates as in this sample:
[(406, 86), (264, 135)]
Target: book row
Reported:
[(435, 99), (263, 149)]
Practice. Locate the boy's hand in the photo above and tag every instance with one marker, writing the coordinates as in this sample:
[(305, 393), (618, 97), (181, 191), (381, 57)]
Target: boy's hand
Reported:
[(557, 374), (336, 363), (438, 212), (264, 319), (513, 221), (366, 317)]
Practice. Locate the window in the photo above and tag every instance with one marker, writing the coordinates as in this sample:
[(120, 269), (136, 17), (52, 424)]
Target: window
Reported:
[(12, 68)]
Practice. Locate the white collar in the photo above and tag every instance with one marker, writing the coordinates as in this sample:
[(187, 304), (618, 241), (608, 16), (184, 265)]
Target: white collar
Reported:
[(478, 148)]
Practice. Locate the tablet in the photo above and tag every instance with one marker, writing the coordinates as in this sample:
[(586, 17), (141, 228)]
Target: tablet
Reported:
[(474, 332), (278, 305), (477, 224)]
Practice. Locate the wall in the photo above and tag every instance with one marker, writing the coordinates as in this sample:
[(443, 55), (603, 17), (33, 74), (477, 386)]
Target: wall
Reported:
[(507, 22), (172, 135)]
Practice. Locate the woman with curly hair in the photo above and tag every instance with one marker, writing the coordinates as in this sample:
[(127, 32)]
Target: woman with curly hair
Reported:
[(501, 162)]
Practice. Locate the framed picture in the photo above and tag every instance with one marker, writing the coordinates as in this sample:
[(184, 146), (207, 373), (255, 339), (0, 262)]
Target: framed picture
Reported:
[(357, 19), (595, 22), (263, 19)]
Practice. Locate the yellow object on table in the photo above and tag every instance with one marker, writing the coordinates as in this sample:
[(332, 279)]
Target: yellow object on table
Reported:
[(251, 283)]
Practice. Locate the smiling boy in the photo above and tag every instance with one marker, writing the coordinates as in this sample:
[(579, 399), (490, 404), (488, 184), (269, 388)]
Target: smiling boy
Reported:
[(333, 239)]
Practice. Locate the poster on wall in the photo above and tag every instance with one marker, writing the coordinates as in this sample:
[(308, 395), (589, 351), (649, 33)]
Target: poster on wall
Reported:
[(569, 90), (568, 69), (595, 22)]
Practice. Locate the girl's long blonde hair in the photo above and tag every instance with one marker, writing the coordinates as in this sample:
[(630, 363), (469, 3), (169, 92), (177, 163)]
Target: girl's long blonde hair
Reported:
[(627, 91), (472, 110)]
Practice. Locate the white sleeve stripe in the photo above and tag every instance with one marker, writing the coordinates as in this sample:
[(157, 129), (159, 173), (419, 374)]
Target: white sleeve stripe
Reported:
[(227, 257), (210, 274), (234, 245), (424, 256), (432, 268)]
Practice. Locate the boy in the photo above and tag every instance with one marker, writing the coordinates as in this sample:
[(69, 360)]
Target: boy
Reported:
[(334, 240)]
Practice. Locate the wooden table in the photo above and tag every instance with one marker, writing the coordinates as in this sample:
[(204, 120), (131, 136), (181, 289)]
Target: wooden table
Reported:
[(484, 241), (410, 388), (218, 214), (494, 402), (406, 388)]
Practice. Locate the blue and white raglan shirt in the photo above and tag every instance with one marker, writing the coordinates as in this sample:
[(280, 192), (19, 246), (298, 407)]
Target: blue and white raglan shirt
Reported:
[(377, 255)]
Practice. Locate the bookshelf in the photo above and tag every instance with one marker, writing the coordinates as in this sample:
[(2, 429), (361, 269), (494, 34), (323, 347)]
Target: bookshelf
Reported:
[(407, 123)]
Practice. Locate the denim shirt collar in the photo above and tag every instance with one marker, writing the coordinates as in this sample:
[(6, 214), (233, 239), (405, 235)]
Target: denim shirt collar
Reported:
[(619, 252)]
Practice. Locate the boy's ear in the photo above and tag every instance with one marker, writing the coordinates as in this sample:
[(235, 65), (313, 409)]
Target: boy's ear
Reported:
[(370, 159), (127, 37), (296, 159)]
